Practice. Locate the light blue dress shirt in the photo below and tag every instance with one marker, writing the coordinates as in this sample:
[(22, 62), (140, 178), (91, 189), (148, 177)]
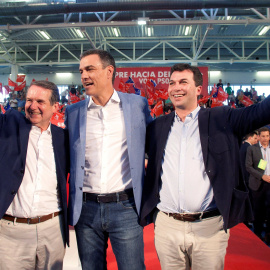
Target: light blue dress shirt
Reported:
[(185, 185)]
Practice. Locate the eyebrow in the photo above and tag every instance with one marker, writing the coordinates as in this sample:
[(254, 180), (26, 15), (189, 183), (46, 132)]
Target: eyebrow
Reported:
[(90, 66)]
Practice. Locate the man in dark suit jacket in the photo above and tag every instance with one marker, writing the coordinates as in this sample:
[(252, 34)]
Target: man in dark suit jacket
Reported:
[(258, 166), (250, 139), (33, 171), (194, 184)]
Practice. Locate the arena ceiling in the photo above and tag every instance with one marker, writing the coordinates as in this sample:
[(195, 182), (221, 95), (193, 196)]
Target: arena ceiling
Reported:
[(49, 36)]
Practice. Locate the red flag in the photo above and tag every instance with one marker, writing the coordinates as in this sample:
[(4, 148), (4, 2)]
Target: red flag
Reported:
[(11, 83), (73, 98), (20, 87), (246, 101), (214, 90), (2, 109), (58, 119), (150, 101), (203, 99), (158, 109), (150, 89), (216, 103), (222, 95), (162, 93), (20, 78), (142, 93)]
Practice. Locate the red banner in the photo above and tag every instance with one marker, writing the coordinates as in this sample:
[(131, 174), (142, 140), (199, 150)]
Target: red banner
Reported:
[(20, 87), (20, 78), (11, 83), (142, 75)]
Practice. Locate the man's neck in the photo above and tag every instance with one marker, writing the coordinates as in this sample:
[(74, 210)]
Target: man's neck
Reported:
[(182, 114), (102, 100)]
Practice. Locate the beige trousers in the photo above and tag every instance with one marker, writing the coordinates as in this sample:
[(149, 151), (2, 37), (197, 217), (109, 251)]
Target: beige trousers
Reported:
[(32, 247), (197, 245)]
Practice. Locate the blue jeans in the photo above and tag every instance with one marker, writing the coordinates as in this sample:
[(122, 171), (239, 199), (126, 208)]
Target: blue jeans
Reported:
[(117, 221)]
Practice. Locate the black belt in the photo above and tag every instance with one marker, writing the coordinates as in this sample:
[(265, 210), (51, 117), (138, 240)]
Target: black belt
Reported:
[(31, 220), (109, 197), (194, 217)]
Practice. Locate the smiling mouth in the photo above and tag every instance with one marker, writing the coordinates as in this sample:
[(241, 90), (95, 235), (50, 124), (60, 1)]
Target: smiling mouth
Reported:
[(88, 84), (177, 96), (34, 113)]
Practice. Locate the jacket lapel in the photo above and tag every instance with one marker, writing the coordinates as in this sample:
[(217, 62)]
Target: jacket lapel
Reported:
[(203, 120), (25, 127), (162, 137), (127, 119), (82, 119)]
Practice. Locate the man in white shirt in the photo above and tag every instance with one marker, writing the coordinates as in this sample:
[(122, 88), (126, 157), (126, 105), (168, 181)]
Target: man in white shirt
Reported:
[(33, 201), (13, 102), (194, 188), (258, 166), (107, 137)]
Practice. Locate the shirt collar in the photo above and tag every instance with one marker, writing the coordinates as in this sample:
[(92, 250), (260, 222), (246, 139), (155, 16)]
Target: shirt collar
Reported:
[(37, 129), (114, 98), (192, 115), (268, 146)]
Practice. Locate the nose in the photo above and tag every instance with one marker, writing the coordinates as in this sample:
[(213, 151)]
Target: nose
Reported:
[(33, 105), (84, 74)]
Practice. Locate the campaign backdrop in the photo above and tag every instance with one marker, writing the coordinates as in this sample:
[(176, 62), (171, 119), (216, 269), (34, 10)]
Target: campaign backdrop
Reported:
[(141, 75)]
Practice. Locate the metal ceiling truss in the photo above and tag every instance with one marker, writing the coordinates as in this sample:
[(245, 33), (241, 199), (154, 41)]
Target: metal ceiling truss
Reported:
[(168, 51), (200, 47)]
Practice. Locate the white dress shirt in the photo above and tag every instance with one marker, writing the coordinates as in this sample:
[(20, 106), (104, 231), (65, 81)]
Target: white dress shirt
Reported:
[(107, 168), (185, 185), (38, 193)]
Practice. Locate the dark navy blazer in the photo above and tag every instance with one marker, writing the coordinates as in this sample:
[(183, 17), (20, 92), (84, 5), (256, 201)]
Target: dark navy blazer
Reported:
[(14, 134), (221, 131)]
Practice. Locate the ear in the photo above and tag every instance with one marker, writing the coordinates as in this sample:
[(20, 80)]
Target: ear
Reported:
[(199, 90), (110, 70), (55, 107)]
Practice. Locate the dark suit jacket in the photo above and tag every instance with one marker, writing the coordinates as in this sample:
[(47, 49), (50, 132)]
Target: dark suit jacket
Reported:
[(221, 131), (254, 155), (243, 152), (14, 134)]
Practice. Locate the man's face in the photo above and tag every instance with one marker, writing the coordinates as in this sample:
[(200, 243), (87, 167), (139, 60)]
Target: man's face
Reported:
[(38, 108), (254, 139), (264, 138), (182, 90), (95, 79)]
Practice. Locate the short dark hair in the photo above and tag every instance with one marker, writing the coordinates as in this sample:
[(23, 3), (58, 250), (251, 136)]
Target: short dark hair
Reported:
[(197, 75), (263, 129), (251, 134), (50, 86), (105, 57)]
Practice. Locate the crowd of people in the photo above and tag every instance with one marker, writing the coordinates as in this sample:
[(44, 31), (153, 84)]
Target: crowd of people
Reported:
[(193, 189), (238, 97)]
